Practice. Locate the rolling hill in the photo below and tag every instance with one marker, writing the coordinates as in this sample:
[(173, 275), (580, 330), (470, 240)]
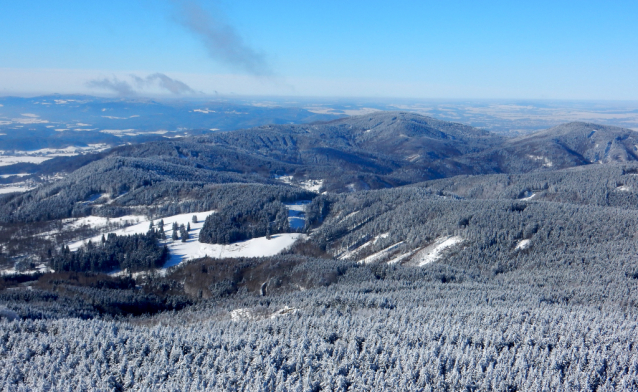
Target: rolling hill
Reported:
[(375, 151)]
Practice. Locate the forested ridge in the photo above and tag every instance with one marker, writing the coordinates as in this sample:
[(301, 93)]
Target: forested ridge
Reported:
[(421, 273), (376, 151)]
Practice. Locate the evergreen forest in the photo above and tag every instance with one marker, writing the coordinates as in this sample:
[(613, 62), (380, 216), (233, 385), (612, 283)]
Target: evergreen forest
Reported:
[(433, 256)]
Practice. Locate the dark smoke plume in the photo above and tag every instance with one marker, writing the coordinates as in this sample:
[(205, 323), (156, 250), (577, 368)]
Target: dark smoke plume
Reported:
[(119, 87), (124, 88), (221, 39), (172, 85)]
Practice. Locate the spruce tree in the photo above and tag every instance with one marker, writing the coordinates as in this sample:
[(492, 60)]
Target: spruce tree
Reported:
[(183, 232)]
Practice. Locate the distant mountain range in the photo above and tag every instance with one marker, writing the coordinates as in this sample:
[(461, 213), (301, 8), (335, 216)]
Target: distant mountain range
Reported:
[(58, 121), (374, 151)]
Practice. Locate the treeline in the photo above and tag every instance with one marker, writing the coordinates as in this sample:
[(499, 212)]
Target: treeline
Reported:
[(132, 252), (245, 219)]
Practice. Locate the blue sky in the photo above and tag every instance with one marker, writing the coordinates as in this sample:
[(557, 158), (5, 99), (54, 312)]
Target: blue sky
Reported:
[(412, 49)]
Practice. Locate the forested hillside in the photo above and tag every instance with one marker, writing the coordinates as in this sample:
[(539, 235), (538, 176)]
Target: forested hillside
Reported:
[(381, 150), (433, 257)]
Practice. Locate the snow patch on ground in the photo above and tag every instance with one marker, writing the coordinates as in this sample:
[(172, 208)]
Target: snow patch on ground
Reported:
[(528, 198), (309, 185), (297, 214), (119, 132), (381, 254), (414, 157), (247, 314), (623, 188), (241, 314), (41, 268), (402, 257), (11, 160), (15, 187), (523, 244), (69, 151), (546, 161), (349, 254), (97, 222), (381, 236), (348, 216), (44, 154), (434, 252), (29, 118)]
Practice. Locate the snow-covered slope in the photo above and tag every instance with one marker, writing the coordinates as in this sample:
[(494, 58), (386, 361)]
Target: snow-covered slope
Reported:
[(143, 225), (434, 252), (256, 247), (191, 249)]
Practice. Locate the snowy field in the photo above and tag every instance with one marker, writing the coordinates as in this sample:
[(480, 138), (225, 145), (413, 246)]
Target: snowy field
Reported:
[(47, 153), (16, 187), (256, 247), (38, 156), (192, 249), (97, 222), (6, 160)]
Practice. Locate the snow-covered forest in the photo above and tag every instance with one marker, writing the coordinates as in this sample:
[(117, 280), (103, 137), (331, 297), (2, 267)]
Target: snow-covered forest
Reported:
[(329, 257)]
